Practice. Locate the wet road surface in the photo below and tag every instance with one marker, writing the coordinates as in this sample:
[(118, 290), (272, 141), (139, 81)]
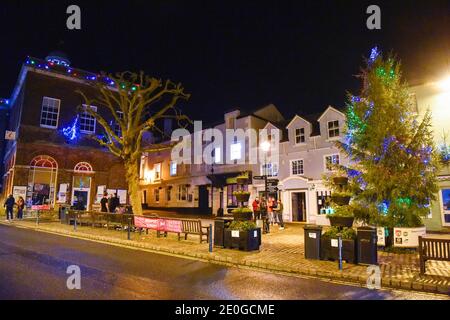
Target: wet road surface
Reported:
[(33, 265)]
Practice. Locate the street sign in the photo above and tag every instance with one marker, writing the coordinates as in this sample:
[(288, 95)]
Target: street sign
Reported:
[(258, 177), (272, 189), (272, 183)]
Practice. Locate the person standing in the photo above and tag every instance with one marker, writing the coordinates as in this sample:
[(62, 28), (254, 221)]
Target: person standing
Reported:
[(111, 204), (256, 211), (20, 207), (9, 204), (116, 201), (279, 211), (104, 203), (264, 216), (270, 205)]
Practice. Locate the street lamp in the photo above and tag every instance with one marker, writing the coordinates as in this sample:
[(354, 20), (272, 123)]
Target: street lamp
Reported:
[(445, 84), (265, 146)]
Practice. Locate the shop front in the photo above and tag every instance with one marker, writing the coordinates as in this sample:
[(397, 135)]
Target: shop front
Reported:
[(42, 177)]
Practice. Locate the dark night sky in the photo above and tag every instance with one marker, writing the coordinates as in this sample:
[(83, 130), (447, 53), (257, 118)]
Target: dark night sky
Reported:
[(299, 55)]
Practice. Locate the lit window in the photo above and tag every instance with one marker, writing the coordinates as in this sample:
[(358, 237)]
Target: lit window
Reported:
[(269, 169), (157, 169), (300, 135), (173, 168), (235, 151), (87, 122), (156, 194), (217, 155), (330, 161), (50, 112), (333, 129), (297, 167)]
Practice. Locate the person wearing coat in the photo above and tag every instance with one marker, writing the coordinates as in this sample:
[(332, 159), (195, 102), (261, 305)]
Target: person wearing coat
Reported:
[(9, 205)]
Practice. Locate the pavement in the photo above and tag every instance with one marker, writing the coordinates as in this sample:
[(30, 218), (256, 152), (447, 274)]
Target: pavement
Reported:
[(34, 266), (281, 251)]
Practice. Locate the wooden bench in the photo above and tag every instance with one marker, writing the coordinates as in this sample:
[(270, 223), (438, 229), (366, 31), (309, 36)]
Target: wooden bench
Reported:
[(433, 249), (195, 227)]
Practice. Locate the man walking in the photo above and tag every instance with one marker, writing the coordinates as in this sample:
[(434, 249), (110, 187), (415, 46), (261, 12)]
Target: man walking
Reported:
[(9, 204), (279, 211)]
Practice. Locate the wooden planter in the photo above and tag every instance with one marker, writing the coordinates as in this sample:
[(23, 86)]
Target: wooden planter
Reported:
[(329, 252), (340, 200), (341, 221), (342, 181), (242, 197), (246, 240)]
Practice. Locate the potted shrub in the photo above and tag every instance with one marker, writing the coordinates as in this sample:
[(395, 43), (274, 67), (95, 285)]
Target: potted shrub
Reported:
[(342, 217), (241, 196), (341, 198), (242, 214), (243, 235), (329, 244), (341, 181)]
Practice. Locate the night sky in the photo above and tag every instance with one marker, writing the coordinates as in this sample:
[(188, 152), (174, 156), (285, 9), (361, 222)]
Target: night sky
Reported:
[(299, 55)]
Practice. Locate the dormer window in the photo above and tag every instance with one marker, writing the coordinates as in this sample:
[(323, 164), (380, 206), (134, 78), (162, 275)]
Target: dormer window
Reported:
[(299, 135), (333, 129)]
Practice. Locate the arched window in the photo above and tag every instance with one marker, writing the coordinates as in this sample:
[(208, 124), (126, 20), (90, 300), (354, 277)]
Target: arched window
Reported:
[(83, 167), (43, 161)]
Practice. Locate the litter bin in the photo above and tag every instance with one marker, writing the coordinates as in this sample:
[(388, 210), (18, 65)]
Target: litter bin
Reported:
[(313, 234), (219, 231), (63, 209), (366, 245)]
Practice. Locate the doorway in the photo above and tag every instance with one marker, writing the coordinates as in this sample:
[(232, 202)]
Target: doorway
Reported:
[(203, 199), (81, 192), (298, 206)]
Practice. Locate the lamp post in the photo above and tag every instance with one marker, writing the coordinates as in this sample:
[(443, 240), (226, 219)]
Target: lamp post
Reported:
[(265, 146)]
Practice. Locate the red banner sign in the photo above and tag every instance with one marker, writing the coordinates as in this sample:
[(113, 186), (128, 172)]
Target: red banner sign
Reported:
[(40, 207), (168, 225)]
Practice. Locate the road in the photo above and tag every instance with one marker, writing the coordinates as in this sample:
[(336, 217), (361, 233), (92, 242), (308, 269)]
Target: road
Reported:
[(33, 266)]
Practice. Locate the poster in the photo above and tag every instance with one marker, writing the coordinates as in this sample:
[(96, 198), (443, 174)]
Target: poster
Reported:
[(445, 196), (381, 237), (122, 194), (19, 191), (62, 194), (408, 237), (100, 191)]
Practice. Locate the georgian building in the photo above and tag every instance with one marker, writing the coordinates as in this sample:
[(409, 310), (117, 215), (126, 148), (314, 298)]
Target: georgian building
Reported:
[(48, 158), (435, 97)]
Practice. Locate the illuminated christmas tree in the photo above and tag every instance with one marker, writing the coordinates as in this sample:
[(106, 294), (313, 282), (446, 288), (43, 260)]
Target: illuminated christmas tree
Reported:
[(393, 161)]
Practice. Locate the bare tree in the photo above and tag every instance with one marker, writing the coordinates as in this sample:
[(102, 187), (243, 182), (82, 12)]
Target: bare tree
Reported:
[(141, 100)]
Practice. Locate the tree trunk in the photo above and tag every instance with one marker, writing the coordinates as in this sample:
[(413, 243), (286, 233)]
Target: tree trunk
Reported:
[(132, 176)]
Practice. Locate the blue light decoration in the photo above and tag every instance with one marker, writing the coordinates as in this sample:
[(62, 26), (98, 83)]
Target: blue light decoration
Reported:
[(374, 54), (383, 207), (72, 132)]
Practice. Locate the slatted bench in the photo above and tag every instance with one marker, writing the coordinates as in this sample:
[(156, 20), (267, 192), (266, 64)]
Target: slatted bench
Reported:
[(433, 249), (195, 227)]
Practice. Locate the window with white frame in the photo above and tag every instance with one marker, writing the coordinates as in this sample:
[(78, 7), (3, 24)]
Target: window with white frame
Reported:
[(117, 129), (235, 151), (157, 170), (50, 112), (333, 129), (297, 167), (330, 161), (87, 122), (300, 135), (269, 169), (173, 168), (182, 192)]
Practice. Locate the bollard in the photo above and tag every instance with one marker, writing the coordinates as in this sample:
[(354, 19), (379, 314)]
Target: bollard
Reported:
[(210, 238), (37, 217), (75, 222), (340, 251), (129, 228)]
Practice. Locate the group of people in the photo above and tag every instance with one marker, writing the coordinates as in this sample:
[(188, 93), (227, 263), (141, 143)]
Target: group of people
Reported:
[(270, 211), (109, 204), (9, 205)]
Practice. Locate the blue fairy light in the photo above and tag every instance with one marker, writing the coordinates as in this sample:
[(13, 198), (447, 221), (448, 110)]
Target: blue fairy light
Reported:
[(72, 132), (374, 54)]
